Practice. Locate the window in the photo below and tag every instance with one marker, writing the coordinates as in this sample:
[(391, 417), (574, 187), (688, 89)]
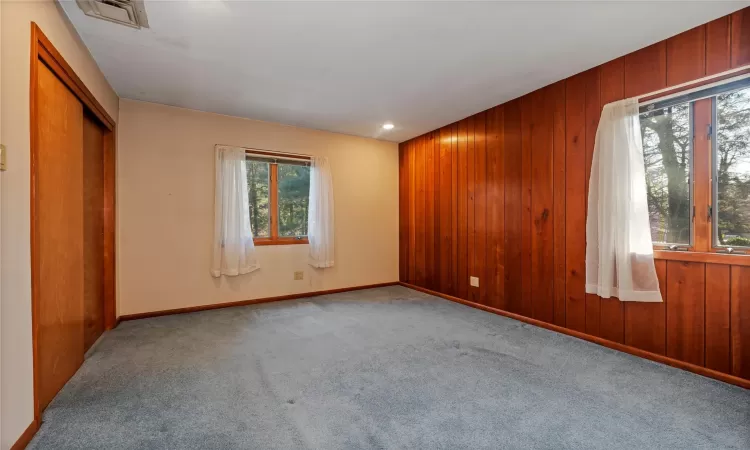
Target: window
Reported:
[(696, 151), (667, 156), (278, 192), (732, 169), (257, 189)]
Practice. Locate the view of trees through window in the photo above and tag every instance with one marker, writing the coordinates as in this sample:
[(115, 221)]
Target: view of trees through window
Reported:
[(667, 157), (732, 168), (291, 197), (294, 194), (257, 189)]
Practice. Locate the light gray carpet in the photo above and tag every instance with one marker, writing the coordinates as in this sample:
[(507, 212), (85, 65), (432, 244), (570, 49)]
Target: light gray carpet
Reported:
[(382, 368)]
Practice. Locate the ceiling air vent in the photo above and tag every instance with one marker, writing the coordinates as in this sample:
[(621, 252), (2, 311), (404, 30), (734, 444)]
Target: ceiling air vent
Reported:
[(125, 12)]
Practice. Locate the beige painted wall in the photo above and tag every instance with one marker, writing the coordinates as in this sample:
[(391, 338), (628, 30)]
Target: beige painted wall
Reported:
[(165, 209), (16, 391)]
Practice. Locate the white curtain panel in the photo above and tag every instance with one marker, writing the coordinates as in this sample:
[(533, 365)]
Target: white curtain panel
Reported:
[(234, 251), (619, 252), (320, 214)]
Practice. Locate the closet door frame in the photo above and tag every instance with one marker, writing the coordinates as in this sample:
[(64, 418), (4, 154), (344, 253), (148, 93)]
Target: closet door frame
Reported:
[(43, 50)]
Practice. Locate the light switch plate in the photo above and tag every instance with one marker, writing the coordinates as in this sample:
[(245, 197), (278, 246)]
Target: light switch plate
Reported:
[(474, 281)]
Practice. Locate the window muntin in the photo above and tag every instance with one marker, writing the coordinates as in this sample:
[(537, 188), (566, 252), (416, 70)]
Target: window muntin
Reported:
[(668, 155), (731, 169), (278, 194)]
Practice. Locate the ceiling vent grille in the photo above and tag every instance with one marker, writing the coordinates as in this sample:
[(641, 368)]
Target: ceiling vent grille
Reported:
[(125, 12)]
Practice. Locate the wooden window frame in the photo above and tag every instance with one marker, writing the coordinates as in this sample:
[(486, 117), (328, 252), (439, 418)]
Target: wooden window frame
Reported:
[(702, 247), (273, 194)]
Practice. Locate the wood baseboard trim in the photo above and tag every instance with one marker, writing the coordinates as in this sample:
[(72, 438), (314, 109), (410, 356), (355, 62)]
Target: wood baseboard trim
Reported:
[(256, 301), (726, 378), (26, 436)]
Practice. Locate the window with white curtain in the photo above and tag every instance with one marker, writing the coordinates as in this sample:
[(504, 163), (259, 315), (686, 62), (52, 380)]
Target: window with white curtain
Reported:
[(279, 197), (264, 198)]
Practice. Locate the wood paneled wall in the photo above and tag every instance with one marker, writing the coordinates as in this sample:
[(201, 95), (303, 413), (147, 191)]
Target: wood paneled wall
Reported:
[(501, 195)]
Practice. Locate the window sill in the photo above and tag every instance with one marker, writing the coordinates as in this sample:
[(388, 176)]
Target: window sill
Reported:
[(705, 257), (280, 241)]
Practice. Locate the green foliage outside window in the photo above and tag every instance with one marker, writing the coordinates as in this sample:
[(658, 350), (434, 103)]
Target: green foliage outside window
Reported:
[(292, 197), (257, 189), (294, 194)]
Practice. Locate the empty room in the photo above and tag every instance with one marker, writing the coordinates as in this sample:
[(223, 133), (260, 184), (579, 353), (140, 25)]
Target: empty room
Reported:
[(235, 224)]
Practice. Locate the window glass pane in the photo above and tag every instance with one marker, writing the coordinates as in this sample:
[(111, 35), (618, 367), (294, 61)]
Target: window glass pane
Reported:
[(732, 169), (257, 190), (667, 155), (294, 193)]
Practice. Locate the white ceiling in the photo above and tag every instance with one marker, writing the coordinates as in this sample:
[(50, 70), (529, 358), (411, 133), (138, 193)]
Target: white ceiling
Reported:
[(349, 67)]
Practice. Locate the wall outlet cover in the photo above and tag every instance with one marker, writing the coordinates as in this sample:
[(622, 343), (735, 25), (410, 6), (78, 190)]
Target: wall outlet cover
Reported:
[(299, 275), (474, 281)]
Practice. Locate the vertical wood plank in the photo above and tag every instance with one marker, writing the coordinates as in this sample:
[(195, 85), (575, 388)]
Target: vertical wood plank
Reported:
[(646, 70), (593, 112), (612, 81), (472, 293), (403, 213), (446, 212), (685, 311), (462, 230), (575, 203), (718, 46), (496, 207), (513, 205), (740, 38), (489, 287), (480, 214), (526, 186), (740, 324), (717, 317), (541, 185), (686, 56), (454, 211), (438, 283), (558, 176), (645, 323), (419, 214), (412, 212), (438, 188), (611, 310), (429, 188), (438, 198)]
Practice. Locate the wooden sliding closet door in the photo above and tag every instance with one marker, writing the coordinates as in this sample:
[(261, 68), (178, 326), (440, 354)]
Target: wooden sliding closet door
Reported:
[(58, 229), (93, 230)]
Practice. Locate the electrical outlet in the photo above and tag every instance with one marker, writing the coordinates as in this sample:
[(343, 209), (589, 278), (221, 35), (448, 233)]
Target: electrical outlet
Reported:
[(474, 281), (299, 275)]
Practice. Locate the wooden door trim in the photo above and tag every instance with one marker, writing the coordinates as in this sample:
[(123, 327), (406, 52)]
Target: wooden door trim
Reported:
[(43, 50)]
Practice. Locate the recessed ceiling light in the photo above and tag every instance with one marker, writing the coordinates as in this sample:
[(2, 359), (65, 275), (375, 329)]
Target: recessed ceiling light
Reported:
[(388, 126)]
